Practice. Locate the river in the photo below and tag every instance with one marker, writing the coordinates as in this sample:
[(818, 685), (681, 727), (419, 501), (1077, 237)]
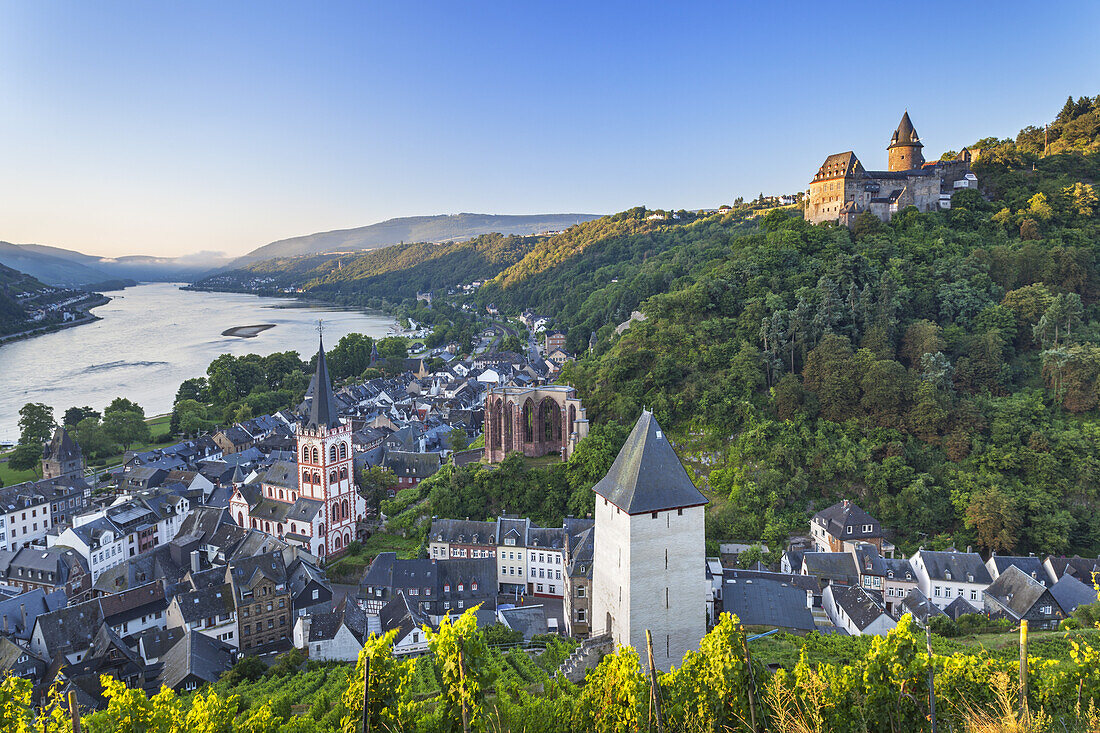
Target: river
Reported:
[(151, 338)]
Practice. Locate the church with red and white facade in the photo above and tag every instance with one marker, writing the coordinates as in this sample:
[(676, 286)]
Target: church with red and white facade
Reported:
[(312, 502)]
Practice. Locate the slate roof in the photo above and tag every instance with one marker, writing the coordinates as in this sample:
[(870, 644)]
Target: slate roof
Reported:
[(153, 643), (463, 531), (803, 582), (324, 626), (764, 602), (1081, 568), (208, 602), (964, 567), (528, 620), (31, 604), (861, 606), (1015, 591), (839, 567), (322, 407), (405, 464), (1031, 565), (282, 474), (905, 134), (837, 518), (1070, 593), (647, 475), (960, 607), (398, 614), (62, 447), (196, 655), (901, 567)]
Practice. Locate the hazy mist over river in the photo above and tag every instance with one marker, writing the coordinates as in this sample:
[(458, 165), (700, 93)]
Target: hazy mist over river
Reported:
[(152, 337)]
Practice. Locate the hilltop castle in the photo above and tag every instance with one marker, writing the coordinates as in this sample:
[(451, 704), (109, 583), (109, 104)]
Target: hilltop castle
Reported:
[(843, 189)]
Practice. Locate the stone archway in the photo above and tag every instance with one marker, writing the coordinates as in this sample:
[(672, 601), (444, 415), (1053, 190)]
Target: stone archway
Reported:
[(535, 420)]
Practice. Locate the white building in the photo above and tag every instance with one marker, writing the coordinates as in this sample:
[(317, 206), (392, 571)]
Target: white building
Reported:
[(945, 576), (648, 569), (24, 517), (857, 611)]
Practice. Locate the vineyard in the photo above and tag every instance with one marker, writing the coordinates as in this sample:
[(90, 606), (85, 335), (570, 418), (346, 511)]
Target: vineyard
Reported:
[(820, 683)]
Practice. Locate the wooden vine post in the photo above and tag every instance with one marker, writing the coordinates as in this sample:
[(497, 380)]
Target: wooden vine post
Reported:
[(462, 688), (74, 711), (366, 694), (1023, 669), (654, 698), (751, 678)]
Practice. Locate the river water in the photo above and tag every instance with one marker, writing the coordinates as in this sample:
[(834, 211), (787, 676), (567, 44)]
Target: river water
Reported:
[(151, 338)]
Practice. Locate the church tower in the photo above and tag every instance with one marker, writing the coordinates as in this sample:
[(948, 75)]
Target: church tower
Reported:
[(905, 147), (325, 464), (649, 549)]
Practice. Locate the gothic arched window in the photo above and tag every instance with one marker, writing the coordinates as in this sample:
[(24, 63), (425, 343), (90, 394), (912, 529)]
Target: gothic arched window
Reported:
[(316, 456), (344, 509), (343, 473), (332, 453), (316, 478), (332, 477), (305, 477), (343, 451)]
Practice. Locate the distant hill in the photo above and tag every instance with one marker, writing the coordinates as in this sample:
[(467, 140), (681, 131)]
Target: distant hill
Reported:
[(13, 283), (69, 268), (49, 268), (411, 229)]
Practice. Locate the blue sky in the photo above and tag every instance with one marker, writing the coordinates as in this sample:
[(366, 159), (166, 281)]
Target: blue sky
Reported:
[(166, 128)]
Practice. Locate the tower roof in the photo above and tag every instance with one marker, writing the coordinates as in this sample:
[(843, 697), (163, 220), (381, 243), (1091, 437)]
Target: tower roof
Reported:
[(322, 409), (62, 447), (647, 475), (906, 134)]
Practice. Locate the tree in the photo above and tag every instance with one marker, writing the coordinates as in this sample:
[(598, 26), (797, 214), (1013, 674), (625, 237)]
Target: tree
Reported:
[(829, 375), (992, 514), (457, 440), (121, 404), (375, 483), (461, 661), (35, 424), (1065, 312), (91, 437), (389, 694), (75, 414), (25, 457), (126, 427)]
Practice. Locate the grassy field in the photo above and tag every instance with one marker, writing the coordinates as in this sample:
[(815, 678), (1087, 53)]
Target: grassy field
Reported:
[(349, 567)]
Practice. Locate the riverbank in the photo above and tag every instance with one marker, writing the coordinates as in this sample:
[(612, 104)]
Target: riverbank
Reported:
[(88, 317)]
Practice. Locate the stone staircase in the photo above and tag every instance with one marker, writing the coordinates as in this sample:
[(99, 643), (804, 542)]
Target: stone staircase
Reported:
[(586, 656)]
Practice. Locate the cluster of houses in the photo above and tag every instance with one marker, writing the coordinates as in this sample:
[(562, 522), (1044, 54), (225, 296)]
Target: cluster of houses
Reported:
[(843, 578)]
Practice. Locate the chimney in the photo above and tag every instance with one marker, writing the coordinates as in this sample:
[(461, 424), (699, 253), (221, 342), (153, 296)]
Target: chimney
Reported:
[(5, 624), (196, 564), (968, 548), (23, 616)]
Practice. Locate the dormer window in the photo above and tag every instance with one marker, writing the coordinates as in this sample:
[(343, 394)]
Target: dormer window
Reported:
[(849, 529), (947, 574)]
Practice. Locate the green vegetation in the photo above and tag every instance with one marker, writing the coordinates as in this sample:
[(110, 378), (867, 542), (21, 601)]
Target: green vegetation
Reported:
[(348, 568), (824, 683), (941, 369)]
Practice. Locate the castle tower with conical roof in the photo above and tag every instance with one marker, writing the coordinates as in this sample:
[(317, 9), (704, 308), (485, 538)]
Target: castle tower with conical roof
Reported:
[(649, 549), (905, 147)]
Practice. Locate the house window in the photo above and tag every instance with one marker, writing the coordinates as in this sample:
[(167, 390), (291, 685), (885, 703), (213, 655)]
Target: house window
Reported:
[(580, 591), (461, 587), (849, 528), (552, 589), (973, 595), (1045, 610), (580, 615), (473, 585), (936, 591)]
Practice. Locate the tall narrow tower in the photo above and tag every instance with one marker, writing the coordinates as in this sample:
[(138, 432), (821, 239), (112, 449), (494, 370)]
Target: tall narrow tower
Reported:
[(325, 464), (905, 147), (649, 565)]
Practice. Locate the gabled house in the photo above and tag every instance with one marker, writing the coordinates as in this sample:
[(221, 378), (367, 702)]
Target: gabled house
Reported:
[(944, 576), (1085, 569), (195, 660), (399, 614), (1070, 593), (917, 605), (1018, 596), (1030, 565), (842, 523), (857, 611), (335, 636)]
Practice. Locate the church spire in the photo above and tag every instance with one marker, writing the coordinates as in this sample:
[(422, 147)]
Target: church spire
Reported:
[(322, 410)]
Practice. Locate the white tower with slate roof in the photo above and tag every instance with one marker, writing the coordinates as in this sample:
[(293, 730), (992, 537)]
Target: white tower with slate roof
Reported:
[(649, 550)]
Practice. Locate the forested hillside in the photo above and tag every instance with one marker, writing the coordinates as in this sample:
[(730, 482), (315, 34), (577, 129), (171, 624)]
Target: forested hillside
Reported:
[(392, 273), (12, 283), (943, 369)]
